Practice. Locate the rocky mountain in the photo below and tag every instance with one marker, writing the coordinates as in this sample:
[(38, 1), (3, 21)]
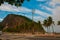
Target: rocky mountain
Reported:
[(12, 20), (20, 23)]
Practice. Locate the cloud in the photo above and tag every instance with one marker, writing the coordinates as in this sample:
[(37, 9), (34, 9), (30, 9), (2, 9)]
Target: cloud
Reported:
[(56, 9), (54, 2), (6, 7), (47, 8), (42, 13), (1, 19), (56, 13), (38, 18), (24, 9), (10, 8)]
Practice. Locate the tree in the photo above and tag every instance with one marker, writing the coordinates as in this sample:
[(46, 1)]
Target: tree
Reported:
[(1, 27), (58, 22), (32, 21), (45, 24), (48, 22), (52, 26), (51, 22), (13, 2), (40, 26)]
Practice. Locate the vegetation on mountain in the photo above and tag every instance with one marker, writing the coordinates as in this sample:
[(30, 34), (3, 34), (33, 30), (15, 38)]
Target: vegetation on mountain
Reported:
[(21, 24)]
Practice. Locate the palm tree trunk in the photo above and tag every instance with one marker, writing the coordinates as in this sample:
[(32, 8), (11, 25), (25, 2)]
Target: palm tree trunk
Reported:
[(47, 29), (52, 29)]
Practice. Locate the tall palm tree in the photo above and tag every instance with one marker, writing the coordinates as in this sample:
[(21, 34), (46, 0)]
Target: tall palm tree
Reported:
[(39, 24), (49, 21), (52, 26), (45, 24), (40, 28)]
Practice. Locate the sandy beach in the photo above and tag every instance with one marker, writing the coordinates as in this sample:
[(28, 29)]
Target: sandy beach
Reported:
[(25, 36)]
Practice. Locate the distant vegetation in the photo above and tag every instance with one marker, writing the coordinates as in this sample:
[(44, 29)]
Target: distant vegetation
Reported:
[(21, 24), (26, 28), (1, 27)]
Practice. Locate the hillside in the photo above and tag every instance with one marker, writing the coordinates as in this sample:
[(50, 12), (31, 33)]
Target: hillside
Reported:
[(18, 23), (13, 20)]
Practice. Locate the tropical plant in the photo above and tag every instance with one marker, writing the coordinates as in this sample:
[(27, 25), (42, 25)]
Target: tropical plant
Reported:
[(45, 24), (27, 27), (1, 28), (48, 22), (39, 26), (58, 22), (52, 26)]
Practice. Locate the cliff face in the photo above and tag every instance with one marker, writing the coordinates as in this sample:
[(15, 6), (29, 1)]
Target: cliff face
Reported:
[(13, 20)]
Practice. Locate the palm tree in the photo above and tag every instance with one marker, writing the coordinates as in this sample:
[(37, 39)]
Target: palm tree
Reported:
[(40, 28), (49, 21), (13, 2), (52, 26), (58, 22), (45, 24), (39, 24)]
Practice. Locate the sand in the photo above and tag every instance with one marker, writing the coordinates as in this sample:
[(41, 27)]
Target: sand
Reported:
[(28, 36)]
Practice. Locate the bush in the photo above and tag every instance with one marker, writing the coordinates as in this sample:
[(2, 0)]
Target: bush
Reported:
[(1, 28)]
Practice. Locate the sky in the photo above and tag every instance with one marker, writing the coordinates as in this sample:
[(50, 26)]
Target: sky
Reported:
[(42, 10)]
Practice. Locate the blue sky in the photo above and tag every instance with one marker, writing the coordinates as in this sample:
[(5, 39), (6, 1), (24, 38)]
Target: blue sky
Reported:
[(27, 8), (43, 9)]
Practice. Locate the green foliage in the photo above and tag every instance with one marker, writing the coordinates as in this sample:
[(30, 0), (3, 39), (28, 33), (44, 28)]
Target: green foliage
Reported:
[(13, 2), (1, 27), (27, 27), (45, 23), (40, 28), (48, 22), (10, 30), (58, 22)]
